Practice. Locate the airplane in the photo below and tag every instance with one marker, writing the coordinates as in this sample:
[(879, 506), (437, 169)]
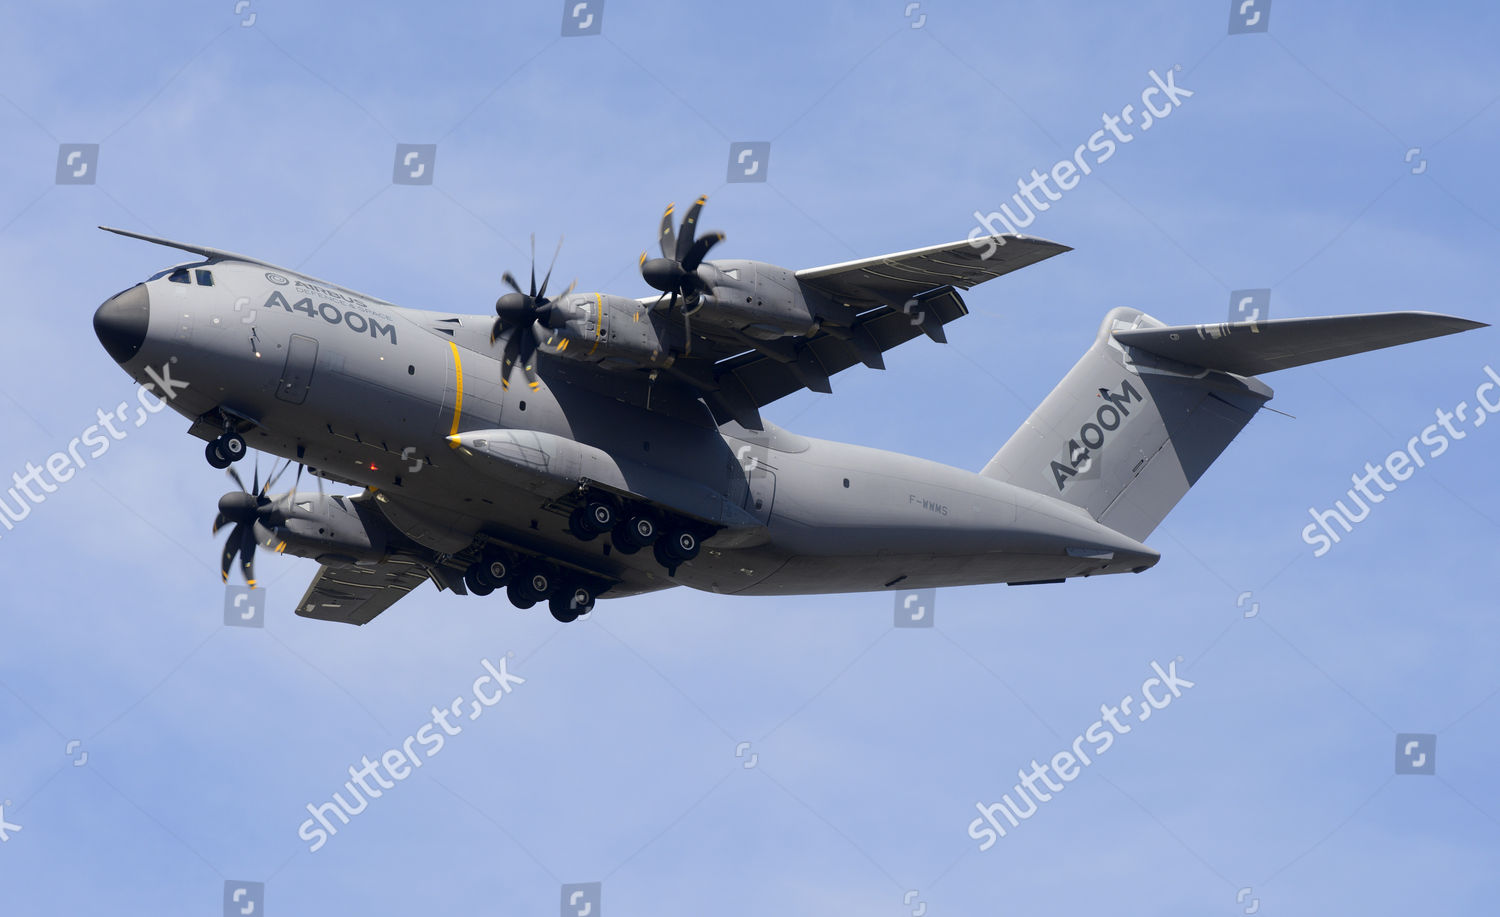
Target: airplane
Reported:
[(585, 445)]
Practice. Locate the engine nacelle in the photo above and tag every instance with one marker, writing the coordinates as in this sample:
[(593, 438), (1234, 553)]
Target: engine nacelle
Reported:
[(764, 301), (326, 528), (613, 331)]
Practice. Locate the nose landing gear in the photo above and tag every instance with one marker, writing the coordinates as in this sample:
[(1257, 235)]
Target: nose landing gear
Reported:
[(226, 450)]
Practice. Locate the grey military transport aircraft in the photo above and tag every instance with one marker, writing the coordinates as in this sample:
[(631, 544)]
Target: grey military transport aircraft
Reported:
[(579, 445)]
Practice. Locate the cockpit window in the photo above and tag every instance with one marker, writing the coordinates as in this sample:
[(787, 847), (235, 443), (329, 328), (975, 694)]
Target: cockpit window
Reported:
[(205, 278), (181, 273)]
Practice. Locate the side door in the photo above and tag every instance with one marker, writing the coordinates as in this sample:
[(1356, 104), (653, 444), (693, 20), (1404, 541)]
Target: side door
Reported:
[(759, 478), (296, 375)]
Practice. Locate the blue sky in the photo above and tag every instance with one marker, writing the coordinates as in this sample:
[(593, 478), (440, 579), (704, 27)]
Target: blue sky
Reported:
[(1290, 168)]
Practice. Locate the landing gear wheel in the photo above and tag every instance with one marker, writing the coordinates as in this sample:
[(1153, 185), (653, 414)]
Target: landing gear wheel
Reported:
[(621, 543), (475, 585), (531, 586), (598, 516), (578, 525), (639, 530), (233, 446), (493, 570), (215, 456), (677, 547), (571, 603), (517, 598)]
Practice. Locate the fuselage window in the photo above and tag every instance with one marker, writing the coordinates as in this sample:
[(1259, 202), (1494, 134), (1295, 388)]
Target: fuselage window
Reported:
[(179, 276), (205, 278)]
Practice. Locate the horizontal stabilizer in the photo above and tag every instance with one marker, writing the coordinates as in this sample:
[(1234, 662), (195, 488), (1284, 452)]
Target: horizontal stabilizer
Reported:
[(1251, 348)]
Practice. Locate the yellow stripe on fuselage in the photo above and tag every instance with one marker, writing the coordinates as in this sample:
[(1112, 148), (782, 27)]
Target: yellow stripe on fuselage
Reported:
[(458, 392)]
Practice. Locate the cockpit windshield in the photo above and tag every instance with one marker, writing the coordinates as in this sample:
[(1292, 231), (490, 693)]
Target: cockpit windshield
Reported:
[(186, 273)]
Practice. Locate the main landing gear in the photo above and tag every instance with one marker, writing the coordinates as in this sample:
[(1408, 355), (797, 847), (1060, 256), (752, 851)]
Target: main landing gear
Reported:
[(527, 583), (634, 528)]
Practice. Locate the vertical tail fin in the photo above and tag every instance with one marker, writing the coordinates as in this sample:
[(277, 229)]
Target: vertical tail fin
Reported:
[(1148, 408)]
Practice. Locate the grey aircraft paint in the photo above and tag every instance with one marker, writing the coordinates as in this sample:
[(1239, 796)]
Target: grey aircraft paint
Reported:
[(475, 474)]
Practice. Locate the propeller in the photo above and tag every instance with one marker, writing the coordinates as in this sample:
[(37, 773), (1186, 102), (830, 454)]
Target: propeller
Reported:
[(529, 316), (247, 508), (675, 273)]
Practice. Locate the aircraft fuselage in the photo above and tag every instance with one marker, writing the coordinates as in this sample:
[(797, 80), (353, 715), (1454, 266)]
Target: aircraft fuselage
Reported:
[(378, 396)]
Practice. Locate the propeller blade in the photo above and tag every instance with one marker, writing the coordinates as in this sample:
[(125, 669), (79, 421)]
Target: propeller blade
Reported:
[(247, 553), (689, 227), (533, 266), (255, 478), (220, 521), (668, 236), (508, 358), (496, 328), (529, 344), (231, 548), (292, 499), (237, 480), (276, 474), (700, 248), (542, 293), (510, 281)]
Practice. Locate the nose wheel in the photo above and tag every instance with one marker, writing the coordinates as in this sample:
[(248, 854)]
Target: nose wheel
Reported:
[(226, 450)]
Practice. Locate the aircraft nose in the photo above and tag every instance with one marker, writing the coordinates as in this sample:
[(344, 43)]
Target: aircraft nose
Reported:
[(121, 322)]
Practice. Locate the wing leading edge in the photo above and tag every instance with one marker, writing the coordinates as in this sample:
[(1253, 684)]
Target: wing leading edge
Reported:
[(892, 279)]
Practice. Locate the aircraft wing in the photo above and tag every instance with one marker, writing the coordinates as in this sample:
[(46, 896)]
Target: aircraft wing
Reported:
[(893, 279), (352, 594), (746, 382), (897, 296)]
